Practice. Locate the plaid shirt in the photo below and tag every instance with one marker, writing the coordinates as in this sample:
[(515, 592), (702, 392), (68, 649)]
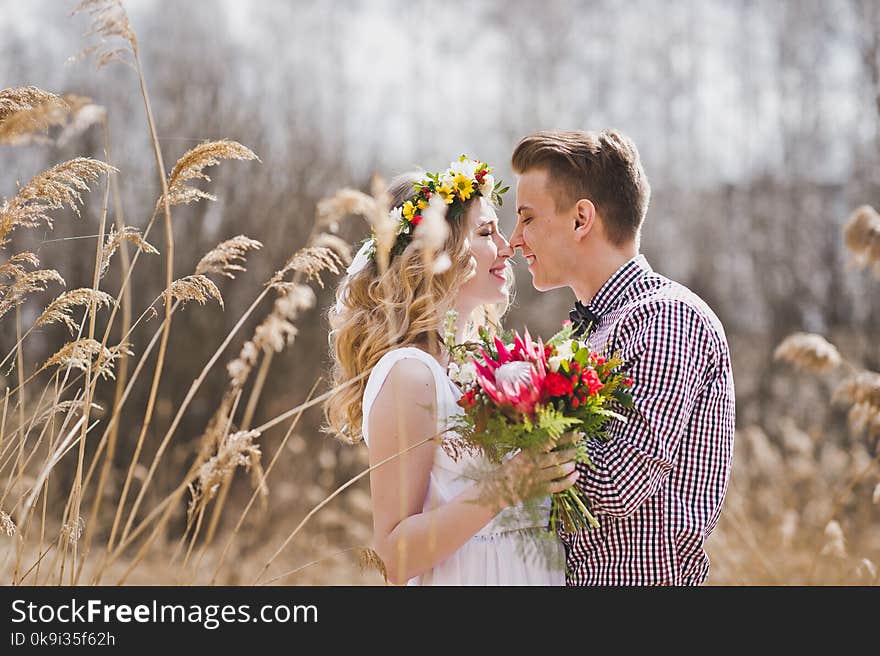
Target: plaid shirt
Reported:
[(660, 481)]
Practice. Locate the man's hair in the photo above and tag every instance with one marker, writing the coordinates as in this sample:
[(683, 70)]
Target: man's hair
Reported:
[(603, 167)]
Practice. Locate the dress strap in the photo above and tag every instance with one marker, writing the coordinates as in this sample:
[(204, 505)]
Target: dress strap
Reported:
[(383, 368)]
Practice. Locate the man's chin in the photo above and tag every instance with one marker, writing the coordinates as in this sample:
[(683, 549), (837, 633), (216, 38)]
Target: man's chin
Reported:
[(542, 284)]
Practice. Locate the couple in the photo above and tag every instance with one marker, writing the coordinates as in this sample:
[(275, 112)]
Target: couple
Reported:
[(659, 482)]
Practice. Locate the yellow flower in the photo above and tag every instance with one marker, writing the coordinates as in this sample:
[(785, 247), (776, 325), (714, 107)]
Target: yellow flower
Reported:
[(423, 204), (464, 184), (445, 192), (408, 210)]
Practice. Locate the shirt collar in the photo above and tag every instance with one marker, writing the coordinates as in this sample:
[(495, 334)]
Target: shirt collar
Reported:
[(611, 292)]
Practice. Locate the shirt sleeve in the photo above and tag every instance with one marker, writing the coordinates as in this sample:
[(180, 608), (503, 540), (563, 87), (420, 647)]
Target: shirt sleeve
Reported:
[(668, 350)]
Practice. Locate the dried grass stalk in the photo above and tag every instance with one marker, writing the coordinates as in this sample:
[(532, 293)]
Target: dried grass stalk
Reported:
[(835, 544), (59, 186), (115, 239), (240, 368), (809, 352), (6, 524), (224, 257), (24, 284), (431, 236), (336, 244), (109, 21), (862, 236), (863, 387), (27, 113), (59, 310), (73, 530), (277, 330), (237, 450), (17, 99), (864, 418), (85, 353), (195, 288), (13, 268), (64, 407), (191, 167), (344, 202), (310, 262), (368, 559), (375, 209), (82, 115)]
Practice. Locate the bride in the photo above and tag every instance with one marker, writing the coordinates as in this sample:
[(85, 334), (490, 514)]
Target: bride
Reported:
[(433, 522)]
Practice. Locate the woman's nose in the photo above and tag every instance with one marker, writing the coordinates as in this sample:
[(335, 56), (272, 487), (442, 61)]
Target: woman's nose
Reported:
[(504, 248)]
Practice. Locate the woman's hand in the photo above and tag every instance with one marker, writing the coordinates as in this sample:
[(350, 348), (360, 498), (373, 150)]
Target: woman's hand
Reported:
[(528, 475)]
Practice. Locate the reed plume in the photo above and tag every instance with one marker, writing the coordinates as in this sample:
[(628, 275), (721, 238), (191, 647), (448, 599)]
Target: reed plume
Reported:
[(17, 99), (115, 238), (24, 282), (192, 164), (195, 288), (84, 353), (336, 244), (6, 524), (310, 262), (109, 22), (862, 237), (237, 450), (808, 352), (223, 259), (27, 113), (374, 208), (59, 310), (57, 187), (82, 114)]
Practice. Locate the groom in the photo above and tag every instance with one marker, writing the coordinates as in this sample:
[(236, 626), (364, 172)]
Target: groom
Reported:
[(659, 482)]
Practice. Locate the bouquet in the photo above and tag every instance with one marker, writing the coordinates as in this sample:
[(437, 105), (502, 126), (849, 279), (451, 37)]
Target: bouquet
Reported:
[(521, 394)]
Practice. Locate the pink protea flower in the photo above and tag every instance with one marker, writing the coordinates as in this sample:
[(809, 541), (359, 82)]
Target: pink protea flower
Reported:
[(517, 378)]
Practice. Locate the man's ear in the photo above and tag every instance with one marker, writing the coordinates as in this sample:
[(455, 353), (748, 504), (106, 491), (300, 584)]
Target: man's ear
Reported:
[(585, 218)]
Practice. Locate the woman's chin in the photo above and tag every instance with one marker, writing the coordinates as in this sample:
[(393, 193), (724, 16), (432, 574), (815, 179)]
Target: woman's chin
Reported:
[(502, 296)]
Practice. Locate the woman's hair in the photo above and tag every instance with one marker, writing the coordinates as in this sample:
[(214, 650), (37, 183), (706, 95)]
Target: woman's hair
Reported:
[(404, 306)]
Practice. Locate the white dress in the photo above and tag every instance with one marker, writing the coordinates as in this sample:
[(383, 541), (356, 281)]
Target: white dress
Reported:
[(514, 548)]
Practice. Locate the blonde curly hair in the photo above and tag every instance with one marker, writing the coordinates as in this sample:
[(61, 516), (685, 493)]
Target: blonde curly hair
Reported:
[(404, 306)]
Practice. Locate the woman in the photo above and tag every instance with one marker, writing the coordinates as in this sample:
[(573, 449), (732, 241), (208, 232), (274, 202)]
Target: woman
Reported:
[(434, 524)]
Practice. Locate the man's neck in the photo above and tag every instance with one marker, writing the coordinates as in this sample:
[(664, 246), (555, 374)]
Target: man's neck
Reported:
[(599, 269)]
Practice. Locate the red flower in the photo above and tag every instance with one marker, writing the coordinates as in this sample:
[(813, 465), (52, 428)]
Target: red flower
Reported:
[(628, 382), (558, 385), (591, 380), (600, 360), (575, 403), (417, 219), (467, 400), (522, 392)]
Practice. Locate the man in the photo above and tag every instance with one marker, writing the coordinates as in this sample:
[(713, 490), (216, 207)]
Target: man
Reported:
[(658, 484)]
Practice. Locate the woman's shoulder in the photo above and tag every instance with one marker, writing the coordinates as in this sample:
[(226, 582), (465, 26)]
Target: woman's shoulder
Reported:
[(403, 377), (409, 364), (395, 355)]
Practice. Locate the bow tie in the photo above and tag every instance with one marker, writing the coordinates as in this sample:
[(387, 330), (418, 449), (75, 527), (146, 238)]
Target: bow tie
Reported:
[(583, 319)]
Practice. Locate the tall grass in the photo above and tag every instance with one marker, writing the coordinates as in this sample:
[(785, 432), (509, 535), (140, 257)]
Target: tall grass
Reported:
[(801, 507), (53, 401)]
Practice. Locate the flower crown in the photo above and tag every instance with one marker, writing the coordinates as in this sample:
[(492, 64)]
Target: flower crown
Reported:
[(456, 185)]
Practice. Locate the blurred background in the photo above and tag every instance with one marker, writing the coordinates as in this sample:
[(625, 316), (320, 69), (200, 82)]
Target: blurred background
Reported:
[(758, 124)]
